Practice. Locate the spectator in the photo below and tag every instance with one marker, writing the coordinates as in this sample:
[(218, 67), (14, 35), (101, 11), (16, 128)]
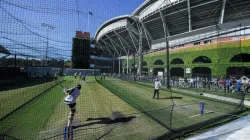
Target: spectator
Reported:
[(228, 84), (221, 84), (80, 75), (191, 82), (214, 84), (248, 87), (75, 75), (245, 84), (239, 85), (233, 84), (203, 82)]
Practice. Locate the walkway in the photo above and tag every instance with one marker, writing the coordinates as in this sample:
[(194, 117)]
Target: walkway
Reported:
[(247, 103), (235, 130)]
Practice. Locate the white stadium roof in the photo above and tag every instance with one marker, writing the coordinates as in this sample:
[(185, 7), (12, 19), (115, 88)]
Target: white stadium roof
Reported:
[(181, 21)]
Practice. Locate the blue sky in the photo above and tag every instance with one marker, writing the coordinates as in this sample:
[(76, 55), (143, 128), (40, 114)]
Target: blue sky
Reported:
[(21, 31)]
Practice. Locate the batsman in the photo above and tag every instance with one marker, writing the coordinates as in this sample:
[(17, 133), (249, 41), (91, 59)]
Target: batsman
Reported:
[(70, 99)]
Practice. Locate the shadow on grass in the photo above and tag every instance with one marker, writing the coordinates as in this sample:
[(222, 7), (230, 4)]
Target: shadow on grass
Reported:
[(173, 97), (106, 120)]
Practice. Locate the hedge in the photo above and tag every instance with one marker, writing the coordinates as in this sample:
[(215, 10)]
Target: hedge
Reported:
[(219, 53)]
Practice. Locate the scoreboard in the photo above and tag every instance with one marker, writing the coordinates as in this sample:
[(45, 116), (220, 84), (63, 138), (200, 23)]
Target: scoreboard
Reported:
[(80, 53)]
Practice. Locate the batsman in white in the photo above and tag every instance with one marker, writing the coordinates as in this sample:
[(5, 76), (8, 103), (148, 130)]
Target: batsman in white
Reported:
[(70, 99)]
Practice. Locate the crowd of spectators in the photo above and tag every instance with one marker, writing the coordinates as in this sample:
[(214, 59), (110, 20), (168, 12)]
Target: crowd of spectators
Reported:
[(231, 84)]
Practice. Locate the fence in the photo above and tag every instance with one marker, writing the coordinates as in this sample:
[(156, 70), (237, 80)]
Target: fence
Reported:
[(177, 111)]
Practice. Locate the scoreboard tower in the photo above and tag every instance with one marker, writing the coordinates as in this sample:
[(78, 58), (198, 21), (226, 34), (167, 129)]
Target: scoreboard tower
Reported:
[(80, 53)]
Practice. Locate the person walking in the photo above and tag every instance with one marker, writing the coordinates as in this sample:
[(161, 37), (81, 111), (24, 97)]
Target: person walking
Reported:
[(248, 87), (70, 100), (80, 75), (75, 75), (239, 84), (228, 84), (191, 82), (157, 86), (245, 85), (233, 84)]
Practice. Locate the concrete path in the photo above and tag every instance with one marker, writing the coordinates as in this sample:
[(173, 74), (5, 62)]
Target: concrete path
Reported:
[(235, 130), (247, 103)]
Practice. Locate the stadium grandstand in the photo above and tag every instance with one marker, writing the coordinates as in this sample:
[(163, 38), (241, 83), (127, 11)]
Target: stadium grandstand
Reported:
[(179, 25)]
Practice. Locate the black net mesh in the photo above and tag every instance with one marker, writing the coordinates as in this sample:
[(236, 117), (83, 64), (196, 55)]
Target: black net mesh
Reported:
[(178, 111)]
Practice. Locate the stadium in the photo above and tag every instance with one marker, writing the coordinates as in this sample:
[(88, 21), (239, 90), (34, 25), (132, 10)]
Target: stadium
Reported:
[(218, 30), (152, 69)]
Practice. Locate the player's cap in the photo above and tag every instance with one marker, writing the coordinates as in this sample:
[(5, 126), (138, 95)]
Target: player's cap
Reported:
[(79, 86)]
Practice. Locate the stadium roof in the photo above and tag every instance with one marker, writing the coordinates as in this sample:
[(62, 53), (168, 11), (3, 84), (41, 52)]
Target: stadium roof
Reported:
[(113, 20), (3, 50), (168, 18), (119, 36), (145, 4)]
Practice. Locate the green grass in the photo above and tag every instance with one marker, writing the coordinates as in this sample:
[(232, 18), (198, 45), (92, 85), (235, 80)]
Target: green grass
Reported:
[(205, 90), (147, 84), (49, 113), (46, 116), (30, 119), (11, 99), (95, 101), (141, 96)]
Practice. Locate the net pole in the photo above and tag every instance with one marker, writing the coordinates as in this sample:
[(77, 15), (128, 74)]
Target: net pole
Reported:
[(113, 65), (88, 22), (134, 67), (69, 132), (15, 61), (202, 104), (167, 61), (65, 133)]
